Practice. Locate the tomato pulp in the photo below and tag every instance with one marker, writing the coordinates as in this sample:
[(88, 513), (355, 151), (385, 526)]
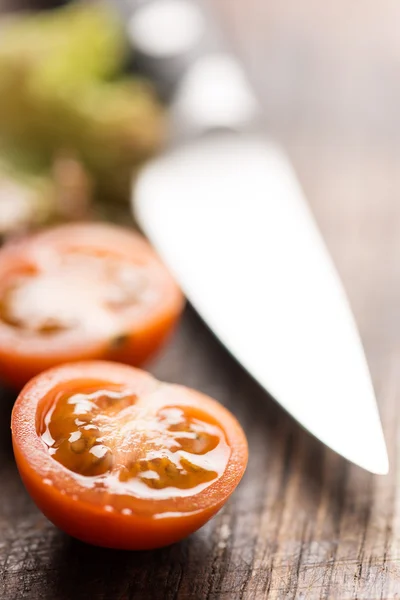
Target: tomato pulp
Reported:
[(117, 459), (77, 292)]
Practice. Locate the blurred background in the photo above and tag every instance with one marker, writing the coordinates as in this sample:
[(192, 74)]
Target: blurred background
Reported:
[(327, 75)]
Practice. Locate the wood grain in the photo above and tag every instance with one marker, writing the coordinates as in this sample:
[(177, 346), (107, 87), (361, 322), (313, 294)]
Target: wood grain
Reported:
[(304, 523)]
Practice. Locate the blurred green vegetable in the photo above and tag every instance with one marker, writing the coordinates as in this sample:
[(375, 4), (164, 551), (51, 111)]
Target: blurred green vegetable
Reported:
[(63, 91), (64, 46)]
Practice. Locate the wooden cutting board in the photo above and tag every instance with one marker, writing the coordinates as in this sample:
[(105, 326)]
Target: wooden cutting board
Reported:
[(303, 523)]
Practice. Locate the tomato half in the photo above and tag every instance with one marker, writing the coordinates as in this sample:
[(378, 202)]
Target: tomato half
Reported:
[(118, 459), (77, 292)]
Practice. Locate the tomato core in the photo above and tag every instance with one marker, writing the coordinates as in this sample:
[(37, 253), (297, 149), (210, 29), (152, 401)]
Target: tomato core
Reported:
[(133, 448)]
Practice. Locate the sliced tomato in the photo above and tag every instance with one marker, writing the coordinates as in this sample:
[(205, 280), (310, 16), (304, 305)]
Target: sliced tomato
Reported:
[(76, 292), (118, 459)]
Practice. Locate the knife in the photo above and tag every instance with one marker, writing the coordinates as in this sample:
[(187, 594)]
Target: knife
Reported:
[(224, 209)]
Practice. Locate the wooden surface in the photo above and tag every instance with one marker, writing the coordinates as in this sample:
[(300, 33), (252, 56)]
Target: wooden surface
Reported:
[(303, 523)]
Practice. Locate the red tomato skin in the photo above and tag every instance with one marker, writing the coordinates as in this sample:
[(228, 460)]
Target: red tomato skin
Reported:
[(110, 530), (138, 348)]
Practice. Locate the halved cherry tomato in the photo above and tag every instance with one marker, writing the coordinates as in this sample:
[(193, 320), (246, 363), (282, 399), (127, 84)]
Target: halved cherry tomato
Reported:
[(76, 292), (118, 459)]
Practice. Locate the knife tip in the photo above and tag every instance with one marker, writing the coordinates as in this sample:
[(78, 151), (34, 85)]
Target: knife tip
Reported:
[(381, 467), (376, 461), (363, 446)]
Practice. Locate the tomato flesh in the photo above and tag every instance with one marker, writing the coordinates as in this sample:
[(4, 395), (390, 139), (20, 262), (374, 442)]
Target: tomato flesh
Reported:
[(118, 459)]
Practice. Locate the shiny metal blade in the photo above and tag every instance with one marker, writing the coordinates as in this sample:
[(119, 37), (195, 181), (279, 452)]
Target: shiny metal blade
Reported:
[(228, 217)]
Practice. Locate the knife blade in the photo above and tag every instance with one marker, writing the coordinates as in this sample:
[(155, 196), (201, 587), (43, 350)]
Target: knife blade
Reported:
[(227, 215)]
